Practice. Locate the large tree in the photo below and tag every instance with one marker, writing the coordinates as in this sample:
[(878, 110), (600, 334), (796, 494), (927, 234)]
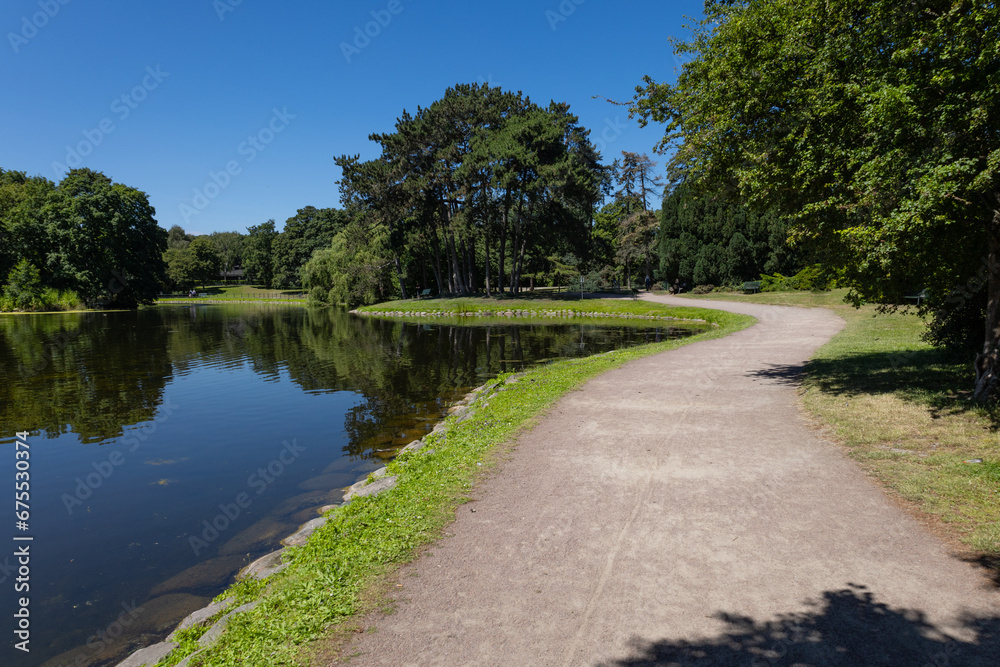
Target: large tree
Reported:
[(308, 230), (258, 252), (105, 242), (875, 127)]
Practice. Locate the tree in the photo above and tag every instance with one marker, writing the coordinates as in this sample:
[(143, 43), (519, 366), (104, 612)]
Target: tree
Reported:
[(24, 285), (229, 248), (309, 230), (874, 127), (178, 238), (104, 241), (355, 269), (258, 256)]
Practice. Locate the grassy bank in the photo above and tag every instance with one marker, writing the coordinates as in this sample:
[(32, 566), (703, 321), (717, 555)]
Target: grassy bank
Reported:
[(307, 609), (902, 409), (237, 294), (529, 305)]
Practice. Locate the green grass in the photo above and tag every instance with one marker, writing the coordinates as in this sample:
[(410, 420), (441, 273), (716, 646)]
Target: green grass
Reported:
[(342, 570), (902, 409), (239, 293), (537, 306)]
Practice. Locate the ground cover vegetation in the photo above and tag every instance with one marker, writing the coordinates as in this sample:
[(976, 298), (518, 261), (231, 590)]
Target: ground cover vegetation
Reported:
[(340, 573), (872, 130)]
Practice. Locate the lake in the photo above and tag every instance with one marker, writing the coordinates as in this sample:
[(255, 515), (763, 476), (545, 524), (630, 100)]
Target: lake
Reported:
[(146, 426)]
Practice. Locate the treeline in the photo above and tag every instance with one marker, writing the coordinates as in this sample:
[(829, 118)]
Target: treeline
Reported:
[(86, 241), (709, 238), (485, 191), (268, 257)]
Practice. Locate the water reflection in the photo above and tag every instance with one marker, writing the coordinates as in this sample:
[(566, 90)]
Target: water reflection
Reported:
[(193, 402)]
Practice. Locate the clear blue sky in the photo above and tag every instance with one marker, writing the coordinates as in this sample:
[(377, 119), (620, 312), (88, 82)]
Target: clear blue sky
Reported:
[(163, 94)]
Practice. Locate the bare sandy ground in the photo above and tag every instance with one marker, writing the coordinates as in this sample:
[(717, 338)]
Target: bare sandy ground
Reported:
[(681, 510)]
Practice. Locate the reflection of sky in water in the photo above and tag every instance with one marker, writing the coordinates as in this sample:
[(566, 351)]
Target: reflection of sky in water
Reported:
[(224, 395)]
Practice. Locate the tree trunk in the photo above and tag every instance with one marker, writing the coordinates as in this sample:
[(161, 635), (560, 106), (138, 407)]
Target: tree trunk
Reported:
[(399, 275), (436, 247), (988, 363), (486, 246)]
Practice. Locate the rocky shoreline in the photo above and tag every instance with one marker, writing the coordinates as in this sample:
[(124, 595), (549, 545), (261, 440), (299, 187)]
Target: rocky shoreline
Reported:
[(517, 313)]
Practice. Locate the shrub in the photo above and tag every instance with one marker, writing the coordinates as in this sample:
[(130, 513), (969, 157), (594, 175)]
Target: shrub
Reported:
[(812, 278), (702, 289)]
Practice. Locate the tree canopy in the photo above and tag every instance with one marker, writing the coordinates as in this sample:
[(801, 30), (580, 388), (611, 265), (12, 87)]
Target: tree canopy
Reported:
[(477, 189), (872, 127), (86, 234)]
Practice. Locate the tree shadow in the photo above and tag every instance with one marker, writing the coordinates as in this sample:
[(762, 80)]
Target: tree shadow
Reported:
[(934, 378), (847, 627)]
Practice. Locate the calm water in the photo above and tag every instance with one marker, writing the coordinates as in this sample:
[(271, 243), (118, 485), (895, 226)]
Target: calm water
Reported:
[(146, 425)]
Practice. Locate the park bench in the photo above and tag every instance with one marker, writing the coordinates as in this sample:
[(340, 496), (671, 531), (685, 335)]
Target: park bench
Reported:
[(752, 286), (424, 293), (918, 297)]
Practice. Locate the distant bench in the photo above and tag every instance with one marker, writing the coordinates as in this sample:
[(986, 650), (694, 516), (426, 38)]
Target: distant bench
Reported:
[(424, 293), (752, 287), (918, 297)]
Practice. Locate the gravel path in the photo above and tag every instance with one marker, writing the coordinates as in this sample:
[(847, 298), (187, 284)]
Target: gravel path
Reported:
[(681, 510)]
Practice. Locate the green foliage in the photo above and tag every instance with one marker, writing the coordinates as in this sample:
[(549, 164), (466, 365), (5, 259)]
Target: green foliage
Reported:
[(87, 235), (308, 231), (258, 253), (354, 270), (717, 239), (24, 286), (811, 278), (874, 128), (478, 189), (229, 248)]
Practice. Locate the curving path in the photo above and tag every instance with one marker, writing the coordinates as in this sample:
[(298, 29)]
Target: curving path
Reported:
[(681, 510)]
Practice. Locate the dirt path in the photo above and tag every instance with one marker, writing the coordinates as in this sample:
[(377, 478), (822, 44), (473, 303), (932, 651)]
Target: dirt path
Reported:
[(680, 510)]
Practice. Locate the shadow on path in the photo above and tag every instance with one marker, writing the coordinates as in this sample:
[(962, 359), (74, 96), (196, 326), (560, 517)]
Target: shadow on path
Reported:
[(848, 627)]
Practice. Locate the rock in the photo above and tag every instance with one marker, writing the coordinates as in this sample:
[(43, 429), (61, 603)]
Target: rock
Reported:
[(301, 536), (200, 617), (258, 537), (216, 630), (414, 446), (378, 486), (325, 482), (149, 655), (327, 508), (214, 573), (186, 662), (264, 567)]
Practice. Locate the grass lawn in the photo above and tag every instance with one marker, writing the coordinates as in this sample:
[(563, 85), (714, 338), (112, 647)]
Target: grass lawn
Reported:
[(306, 611), (238, 293), (902, 409)]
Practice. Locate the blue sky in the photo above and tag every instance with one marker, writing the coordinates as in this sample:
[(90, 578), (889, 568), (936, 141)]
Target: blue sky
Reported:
[(247, 102)]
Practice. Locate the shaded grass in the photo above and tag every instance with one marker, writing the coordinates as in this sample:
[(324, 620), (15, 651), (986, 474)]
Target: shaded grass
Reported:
[(903, 410), (341, 572)]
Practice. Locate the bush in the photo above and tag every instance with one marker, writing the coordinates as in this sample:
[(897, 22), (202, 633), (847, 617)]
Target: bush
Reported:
[(24, 287), (812, 278), (702, 289)]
